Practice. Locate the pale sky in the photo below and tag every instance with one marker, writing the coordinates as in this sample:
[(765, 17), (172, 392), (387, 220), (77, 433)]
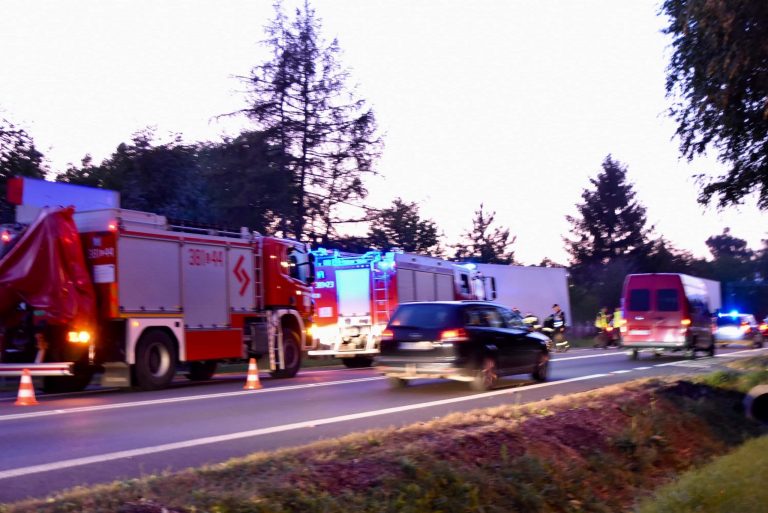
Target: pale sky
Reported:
[(511, 103)]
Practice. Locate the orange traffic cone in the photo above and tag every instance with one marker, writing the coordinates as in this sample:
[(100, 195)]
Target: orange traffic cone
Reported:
[(252, 382), (26, 395)]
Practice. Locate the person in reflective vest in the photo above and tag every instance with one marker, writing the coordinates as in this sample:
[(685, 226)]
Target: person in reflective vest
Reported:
[(603, 326)]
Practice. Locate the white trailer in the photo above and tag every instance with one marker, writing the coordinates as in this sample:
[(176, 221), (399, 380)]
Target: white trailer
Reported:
[(531, 289)]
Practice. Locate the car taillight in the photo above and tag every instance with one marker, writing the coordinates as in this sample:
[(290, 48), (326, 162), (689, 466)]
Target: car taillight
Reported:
[(764, 327), (458, 335), (745, 327), (387, 335), (685, 322)]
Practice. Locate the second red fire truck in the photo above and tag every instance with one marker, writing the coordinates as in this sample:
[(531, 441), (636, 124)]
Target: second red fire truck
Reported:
[(356, 294)]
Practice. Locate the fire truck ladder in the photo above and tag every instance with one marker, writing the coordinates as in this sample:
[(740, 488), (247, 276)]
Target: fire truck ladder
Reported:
[(380, 298)]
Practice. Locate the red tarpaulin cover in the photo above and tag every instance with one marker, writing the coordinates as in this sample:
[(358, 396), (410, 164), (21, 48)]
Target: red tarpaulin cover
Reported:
[(46, 269)]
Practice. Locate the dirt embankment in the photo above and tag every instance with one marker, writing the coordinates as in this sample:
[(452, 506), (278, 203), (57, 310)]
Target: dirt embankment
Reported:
[(597, 451)]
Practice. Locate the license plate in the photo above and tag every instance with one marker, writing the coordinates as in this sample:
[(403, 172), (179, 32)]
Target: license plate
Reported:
[(418, 346), (639, 332)]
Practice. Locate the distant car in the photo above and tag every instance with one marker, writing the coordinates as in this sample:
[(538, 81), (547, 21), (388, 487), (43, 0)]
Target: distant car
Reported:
[(472, 341), (738, 327), (764, 327)]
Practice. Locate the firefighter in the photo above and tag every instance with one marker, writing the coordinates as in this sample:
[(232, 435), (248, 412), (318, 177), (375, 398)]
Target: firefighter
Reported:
[(617, 322), (602, 324)]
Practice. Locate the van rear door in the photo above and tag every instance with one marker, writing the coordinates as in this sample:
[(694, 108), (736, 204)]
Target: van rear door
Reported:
[(653, 305)]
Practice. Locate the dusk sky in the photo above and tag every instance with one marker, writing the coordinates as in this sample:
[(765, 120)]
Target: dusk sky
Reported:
[(511, 103)]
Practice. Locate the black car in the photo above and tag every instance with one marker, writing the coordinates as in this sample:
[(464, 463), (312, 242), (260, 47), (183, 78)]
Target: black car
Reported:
[(470, 341)]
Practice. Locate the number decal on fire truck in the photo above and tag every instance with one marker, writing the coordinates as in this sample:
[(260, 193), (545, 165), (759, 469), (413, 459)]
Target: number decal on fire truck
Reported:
[(200, 257)]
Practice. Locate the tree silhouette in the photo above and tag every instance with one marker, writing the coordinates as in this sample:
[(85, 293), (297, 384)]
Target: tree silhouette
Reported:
[(718, 80), (18, 157), (301, 101), (485, 243), (400, 226), (609, 238)]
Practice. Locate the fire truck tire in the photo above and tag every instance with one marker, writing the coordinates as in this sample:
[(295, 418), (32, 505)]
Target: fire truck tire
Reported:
[(201, 371), (357, 362), (155, 361), (64, 384), (292, 355)]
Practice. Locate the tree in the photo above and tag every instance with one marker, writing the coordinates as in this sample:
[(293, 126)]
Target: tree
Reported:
[(300, 100), (611, 224), (163, 178), (18, 157), (718, 77), (484, 244), (726, 245), (400, 226), (609, 238), (245, 185)]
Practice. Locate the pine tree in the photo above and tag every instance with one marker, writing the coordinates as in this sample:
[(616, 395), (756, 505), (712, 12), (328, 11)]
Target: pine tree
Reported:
[(400, 226), (609, 238), (485, 243), (300, 100)]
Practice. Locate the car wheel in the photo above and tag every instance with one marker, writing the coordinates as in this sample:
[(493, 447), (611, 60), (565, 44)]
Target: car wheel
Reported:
[(397, 382), (758, 343), (486, 376), (357, 362), (541, 370)]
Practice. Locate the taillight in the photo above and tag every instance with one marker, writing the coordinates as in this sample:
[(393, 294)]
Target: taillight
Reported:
[(6, 236), (745, 327), (685, 322), (387, 335), (764, 327), (458, 335)]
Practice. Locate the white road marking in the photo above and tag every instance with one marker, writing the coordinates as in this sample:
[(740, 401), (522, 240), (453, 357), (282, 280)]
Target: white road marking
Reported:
[(143, 451), (621, 371), (152, 402)]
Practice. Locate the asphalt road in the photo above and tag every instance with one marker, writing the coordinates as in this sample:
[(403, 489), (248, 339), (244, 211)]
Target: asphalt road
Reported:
[(100, 436)]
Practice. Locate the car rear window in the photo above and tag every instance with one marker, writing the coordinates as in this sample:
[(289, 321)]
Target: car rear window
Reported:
[(667, 300), (639, 300), (424, 316)]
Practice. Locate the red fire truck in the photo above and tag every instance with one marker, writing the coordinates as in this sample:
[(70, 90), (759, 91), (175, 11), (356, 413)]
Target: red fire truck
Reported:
[(355, 295), (129, 294)]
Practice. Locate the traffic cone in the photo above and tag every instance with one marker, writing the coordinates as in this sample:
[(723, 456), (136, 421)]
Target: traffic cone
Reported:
[(252, 381), (26, 395)]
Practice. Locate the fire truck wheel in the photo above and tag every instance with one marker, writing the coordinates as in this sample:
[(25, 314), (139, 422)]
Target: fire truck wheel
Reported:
[(201, 371), (358, 362), (292, 355), (155, 361)]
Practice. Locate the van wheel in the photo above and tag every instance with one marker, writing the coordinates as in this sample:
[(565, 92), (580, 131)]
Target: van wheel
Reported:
[(155, 361), (634, 355), (486, 376), (291, 356)]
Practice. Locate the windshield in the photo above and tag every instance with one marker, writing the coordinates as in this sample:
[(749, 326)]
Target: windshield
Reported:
[(299, 266)]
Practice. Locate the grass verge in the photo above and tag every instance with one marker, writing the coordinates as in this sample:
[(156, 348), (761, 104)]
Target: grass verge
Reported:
[(597, 451)]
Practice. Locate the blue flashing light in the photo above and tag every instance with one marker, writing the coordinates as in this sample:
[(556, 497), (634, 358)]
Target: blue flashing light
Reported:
[(470, 266), (732, 313)]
